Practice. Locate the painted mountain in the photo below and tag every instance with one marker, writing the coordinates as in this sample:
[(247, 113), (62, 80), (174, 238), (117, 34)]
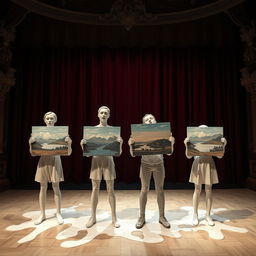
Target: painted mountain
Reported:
[(205, 141), (101, 141), (151, 139), (49, 140)]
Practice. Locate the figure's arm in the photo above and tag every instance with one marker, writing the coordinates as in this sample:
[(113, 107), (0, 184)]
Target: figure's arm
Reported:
[(30, 142), (130, 142), (172, 140), (186, 145), (82, 144), (69, 142), (224, 142), (120, 140)]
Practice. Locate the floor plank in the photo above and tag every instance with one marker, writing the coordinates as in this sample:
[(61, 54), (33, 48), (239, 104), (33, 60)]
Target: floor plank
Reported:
[(240, 207)]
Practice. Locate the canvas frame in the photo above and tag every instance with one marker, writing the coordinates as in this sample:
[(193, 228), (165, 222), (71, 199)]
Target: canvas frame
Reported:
[(205, 141), (151, 139), (101, 141), (50, 140)]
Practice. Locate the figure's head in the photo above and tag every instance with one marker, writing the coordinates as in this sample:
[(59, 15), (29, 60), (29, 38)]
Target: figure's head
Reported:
[(50, 118), (202, 126), (103, 113), (148, 119)]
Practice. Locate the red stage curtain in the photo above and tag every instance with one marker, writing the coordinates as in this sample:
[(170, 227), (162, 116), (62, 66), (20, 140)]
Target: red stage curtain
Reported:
[(187, 87)]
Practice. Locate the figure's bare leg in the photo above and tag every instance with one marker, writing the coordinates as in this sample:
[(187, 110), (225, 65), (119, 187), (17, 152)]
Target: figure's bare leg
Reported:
[(208, 195), (159, 183), (57, 199), (196, 197), (42, 202), (112, 202), (94, 202), (145, 177)]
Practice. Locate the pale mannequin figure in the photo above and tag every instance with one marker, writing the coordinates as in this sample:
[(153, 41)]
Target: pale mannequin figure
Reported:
[(203, 171), (49, 169), (103, 166), (151, 165)]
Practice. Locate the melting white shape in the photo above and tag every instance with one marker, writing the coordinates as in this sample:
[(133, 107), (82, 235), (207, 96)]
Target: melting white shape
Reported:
[(152, 232)]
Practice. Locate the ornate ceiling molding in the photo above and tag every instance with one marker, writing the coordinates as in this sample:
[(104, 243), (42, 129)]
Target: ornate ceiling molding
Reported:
[(96, 19)]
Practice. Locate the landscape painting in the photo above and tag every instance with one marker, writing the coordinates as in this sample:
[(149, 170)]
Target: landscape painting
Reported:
[(101, 141), (151, 139), (205, 141), (50, 140)]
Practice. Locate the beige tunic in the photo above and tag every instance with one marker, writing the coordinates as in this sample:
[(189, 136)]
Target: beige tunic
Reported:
[(49, 169), (102, 166), (203, 171)]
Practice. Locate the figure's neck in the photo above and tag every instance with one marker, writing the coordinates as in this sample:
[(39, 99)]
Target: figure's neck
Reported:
[(101, 124)]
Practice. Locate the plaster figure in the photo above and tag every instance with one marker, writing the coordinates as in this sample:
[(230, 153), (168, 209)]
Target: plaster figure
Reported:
[(203, 171), (103, 166), (151, 165), (49, 169)]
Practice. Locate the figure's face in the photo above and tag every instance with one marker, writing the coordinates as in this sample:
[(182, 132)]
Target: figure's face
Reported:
[(103, 114), (50, 120), (149, 119)]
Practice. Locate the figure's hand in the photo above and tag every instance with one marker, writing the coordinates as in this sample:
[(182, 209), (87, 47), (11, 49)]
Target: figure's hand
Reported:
[(119, 139), (130, 141), (186, 145), (224, 141), (172, 139), (31, 140), (68, 140), (83, 142), (186, 141)]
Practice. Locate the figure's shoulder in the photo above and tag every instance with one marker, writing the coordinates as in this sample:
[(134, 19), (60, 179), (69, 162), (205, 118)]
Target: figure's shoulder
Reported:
[(102, 126)]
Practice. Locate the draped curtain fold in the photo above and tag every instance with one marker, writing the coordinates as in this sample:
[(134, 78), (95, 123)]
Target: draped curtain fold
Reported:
[(187, 87)]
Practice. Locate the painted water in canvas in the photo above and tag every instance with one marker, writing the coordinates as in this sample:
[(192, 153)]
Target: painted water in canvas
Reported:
[(50, 140), (101, 141), (205, 141), (151, 139)]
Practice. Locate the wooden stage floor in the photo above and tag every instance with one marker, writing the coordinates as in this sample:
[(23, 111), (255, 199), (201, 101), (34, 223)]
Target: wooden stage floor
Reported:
[(234, 233)]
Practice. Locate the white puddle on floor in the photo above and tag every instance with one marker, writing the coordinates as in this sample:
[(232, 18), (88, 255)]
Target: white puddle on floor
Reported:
[(152, 232)]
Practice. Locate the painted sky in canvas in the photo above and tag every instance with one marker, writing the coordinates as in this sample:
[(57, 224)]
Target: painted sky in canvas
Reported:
[(147, 132), (203, 131), (106, 132), (46, 132)]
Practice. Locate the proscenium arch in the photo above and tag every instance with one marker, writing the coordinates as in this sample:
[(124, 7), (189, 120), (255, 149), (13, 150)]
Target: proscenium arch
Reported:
[(95, 19)]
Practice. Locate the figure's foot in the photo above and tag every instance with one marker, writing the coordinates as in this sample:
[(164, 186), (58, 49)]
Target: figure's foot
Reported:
[(140, 223), (40, 219), (115, 224), (164, 222), (210, 221), (195, 221), (91, 222), (59, 218)]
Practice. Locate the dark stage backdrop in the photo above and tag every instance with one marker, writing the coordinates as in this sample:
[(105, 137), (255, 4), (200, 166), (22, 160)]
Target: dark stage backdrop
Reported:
[(187, 87)]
